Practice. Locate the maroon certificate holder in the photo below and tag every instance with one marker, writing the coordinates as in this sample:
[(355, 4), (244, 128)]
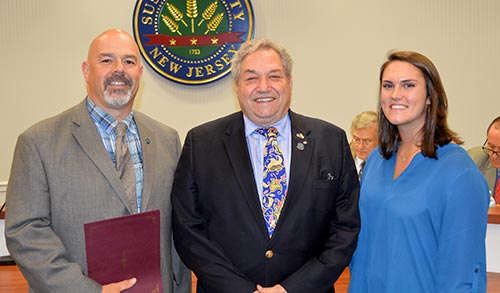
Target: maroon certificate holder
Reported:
[(125, 247)]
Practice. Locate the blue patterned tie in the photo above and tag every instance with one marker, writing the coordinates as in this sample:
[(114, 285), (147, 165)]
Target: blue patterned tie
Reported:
[(274, 179)]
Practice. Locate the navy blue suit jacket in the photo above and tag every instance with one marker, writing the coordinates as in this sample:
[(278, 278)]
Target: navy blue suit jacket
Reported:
[(219, 229)]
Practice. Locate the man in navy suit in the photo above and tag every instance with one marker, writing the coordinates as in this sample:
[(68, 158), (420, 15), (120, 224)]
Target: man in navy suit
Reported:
[(217, 196)]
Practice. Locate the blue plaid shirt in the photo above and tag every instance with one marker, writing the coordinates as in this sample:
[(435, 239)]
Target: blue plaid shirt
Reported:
[(106, 124)]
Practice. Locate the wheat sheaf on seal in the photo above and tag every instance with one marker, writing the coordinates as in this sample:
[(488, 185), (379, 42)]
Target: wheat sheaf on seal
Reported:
[(192, 41)]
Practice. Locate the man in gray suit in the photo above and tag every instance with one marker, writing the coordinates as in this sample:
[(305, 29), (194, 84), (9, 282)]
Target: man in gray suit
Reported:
[(487, 158), (63, 175)]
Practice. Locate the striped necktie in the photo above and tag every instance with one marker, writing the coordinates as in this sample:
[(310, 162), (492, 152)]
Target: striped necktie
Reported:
[(361, 168), (497, 188)]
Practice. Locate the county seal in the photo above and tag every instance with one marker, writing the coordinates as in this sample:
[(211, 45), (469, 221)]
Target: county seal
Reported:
[(192, 41)]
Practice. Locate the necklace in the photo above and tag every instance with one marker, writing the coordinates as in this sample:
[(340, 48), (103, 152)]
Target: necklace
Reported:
[(404, 158)]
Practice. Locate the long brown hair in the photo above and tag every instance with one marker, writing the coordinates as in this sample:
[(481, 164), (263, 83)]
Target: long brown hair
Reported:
[(435, 130)]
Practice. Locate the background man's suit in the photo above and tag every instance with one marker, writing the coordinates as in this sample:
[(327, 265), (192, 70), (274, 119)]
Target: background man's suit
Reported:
[(63, 177), (219, 228), (483, 162)]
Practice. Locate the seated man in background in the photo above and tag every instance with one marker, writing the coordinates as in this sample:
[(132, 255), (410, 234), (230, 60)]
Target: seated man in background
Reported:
[(364, 137), (487, 158)]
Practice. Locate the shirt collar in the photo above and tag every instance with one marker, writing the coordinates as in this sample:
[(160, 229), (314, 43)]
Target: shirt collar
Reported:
[(281, 125), (108, 122)]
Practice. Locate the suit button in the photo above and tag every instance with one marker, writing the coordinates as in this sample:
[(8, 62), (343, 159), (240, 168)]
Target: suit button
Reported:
[(269, 254)]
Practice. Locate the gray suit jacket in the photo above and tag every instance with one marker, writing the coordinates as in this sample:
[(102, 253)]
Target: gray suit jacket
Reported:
[(483, 162), (61, 178)]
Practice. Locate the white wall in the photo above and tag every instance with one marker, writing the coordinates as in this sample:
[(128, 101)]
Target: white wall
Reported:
[(492, 252), (3, 246), (338, 47), (3, 189)]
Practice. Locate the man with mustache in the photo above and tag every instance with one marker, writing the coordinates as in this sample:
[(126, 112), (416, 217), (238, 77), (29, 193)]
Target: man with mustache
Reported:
[(63, 175)]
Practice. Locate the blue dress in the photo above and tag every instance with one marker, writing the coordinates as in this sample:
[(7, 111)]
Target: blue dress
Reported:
[(424, 231)]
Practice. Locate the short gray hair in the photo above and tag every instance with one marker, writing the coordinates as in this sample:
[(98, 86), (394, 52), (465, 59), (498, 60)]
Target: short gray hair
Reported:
[(494, 124), (364, 120), (255, 45)]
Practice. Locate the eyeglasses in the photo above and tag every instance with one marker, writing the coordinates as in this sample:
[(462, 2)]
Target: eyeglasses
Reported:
[(490, 152), (364, 141)]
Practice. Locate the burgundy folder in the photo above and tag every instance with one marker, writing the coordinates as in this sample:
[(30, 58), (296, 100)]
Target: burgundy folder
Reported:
[(125, 247)]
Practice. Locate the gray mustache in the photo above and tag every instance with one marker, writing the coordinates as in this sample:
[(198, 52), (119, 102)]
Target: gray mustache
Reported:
[(118, 78)]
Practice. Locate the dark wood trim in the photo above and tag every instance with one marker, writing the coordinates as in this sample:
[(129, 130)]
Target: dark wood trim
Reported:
[(494, 215), (14, 282)]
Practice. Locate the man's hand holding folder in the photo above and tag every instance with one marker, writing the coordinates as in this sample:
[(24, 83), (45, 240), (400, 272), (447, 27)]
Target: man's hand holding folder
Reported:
[(121, 249)]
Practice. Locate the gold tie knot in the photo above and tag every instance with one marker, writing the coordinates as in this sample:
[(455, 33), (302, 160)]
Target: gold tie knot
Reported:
[(121, 129)]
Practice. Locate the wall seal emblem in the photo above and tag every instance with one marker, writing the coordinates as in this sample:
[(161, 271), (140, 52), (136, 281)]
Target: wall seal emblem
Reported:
[(191, 41)]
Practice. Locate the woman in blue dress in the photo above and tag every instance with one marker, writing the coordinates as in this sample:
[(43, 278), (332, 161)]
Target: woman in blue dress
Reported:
[(423, 201)]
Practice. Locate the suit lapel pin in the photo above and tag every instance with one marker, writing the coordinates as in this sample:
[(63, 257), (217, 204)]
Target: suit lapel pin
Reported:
[(148, 140), (301, 145)]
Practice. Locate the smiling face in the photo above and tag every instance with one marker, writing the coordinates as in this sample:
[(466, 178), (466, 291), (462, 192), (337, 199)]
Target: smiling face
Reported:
[(263, 89), (112, 72), (403, 96)]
